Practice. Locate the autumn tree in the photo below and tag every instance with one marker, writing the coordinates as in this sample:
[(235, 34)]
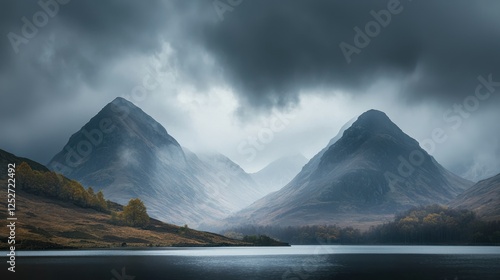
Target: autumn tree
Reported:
[(24, 176), (51, 184), (135, 214), (101, 202)]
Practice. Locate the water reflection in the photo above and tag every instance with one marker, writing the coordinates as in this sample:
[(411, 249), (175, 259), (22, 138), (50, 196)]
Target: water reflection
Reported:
[(270, 251), (296, 262)]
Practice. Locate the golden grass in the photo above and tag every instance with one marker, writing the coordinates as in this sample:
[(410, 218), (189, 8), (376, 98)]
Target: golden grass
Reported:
[(45, 223)]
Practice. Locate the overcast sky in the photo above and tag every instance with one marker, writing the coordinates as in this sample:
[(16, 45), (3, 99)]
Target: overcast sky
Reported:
[(256, 79)]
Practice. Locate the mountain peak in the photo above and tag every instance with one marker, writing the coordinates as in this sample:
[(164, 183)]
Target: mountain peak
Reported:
[(371, 135), (374, 114), (121, 132), (122, 110), (120, 106), (375, 120), (121, 101), (375, 123), (373, 170)]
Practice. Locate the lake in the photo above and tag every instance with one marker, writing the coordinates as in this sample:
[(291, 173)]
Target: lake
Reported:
[(295, 262)]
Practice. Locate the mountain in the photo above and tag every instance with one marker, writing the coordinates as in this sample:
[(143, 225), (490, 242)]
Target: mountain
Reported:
[(126, 153), (370, 172), (279, 172), (46, 222), (483, 198), (228, 183)]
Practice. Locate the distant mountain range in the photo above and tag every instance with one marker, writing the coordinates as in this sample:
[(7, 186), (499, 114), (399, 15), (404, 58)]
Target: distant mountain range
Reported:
[(126, 153), (369, 171), (279, 172), (483, 198)]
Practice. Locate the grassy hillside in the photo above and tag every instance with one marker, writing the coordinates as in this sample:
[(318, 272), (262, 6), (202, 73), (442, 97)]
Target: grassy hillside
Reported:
[(54, 212), (47, 223)]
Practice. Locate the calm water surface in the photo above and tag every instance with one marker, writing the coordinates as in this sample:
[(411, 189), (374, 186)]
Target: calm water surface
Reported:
[(296, 262)]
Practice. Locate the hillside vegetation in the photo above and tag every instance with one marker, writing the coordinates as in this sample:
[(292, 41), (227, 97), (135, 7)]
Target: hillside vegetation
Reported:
[(432, 224), (50, 184), (54, 212), (48, 223)]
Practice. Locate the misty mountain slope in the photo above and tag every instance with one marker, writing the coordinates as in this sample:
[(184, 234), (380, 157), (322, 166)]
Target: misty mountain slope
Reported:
[(312, 165), (366, 173), (127, 154), (279, 172), (483, 198), (228, 183)]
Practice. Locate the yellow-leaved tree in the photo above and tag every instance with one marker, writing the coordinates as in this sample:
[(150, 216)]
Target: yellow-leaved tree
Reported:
[(135, 214)]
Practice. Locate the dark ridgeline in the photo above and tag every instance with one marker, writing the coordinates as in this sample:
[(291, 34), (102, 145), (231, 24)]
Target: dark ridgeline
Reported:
[(8, 158), (366, 174)]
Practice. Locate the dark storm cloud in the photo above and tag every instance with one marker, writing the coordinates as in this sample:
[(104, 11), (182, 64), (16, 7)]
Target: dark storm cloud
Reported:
[(75, 46), (72, 52), (270, 50)]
